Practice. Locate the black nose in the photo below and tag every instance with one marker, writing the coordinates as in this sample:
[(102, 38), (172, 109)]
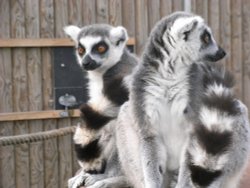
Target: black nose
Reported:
[(87, 60), (220, 53), (89, 64)]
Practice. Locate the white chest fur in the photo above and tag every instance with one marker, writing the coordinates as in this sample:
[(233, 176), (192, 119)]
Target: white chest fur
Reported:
[(98, 100), (166, 100)]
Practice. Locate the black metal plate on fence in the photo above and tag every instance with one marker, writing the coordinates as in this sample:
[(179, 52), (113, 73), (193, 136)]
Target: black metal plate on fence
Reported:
[(68, 77)]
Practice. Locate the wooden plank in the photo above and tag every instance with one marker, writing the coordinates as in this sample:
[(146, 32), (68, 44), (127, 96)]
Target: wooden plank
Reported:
[(177, 5), (102, 11), (36, 115), (51, 179), (7, 158), (153, 7), (128, 16), (7, 155), (214, 18), (61, 17), (42, 42), (20, 104), (225, 31), (22, 164), (51, 157), (141, 23), (115, 10), (246, 54), (5, 81), (75, 12), (5, 60), (47, 23), (36, 153), (165, 8), (47, 79), (205, 10), (20, 100), (34, 93), (202, 9), (236, 50), (89, 12), (65, 157)]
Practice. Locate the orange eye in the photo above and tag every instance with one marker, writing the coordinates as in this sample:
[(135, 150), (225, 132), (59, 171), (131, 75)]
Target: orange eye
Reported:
[(81, 51), (101, 49)]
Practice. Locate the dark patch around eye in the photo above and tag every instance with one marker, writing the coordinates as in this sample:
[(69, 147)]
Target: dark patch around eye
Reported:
[(98, 45), (80, 49), (206, 38)]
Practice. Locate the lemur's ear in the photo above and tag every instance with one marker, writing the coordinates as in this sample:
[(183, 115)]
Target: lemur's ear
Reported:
[(72, 31), (184, 26), (185, 32), (118, 35)]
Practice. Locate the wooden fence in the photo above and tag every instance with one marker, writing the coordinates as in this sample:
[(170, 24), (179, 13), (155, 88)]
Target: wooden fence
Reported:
[(26, 73)]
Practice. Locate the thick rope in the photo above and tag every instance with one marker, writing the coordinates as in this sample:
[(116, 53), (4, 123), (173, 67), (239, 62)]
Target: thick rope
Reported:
[(35, 137)]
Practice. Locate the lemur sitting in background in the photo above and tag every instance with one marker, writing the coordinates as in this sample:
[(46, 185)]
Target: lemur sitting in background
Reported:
[(101, 51)]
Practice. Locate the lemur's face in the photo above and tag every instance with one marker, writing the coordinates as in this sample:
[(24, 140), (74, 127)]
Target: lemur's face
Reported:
[(194, 38), (92, 52), (98, 47)]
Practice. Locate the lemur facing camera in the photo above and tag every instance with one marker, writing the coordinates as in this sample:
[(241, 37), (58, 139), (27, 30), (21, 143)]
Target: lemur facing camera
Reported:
[(152, 128), (101, 51)]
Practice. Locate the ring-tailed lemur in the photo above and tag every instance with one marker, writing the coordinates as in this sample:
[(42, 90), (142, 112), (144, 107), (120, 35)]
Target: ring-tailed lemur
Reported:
[(152, 129), (218, 147), (101, 51)]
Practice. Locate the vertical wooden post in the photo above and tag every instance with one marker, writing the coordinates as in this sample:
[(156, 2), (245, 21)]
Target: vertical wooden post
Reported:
[(7, 154)]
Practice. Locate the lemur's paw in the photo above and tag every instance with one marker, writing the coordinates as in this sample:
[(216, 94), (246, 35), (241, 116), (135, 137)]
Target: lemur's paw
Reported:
[(77, 181), (91, 179)]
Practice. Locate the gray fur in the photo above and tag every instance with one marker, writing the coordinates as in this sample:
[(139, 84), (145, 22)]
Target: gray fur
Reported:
[(95, 30), (108, 74), (152, 127)]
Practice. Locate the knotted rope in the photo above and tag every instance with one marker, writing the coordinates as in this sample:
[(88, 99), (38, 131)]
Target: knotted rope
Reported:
[(35, 137)]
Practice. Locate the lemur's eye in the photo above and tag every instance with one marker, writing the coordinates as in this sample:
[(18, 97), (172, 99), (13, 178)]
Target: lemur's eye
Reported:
[(81, 50), (101, 49), (206, 38)]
